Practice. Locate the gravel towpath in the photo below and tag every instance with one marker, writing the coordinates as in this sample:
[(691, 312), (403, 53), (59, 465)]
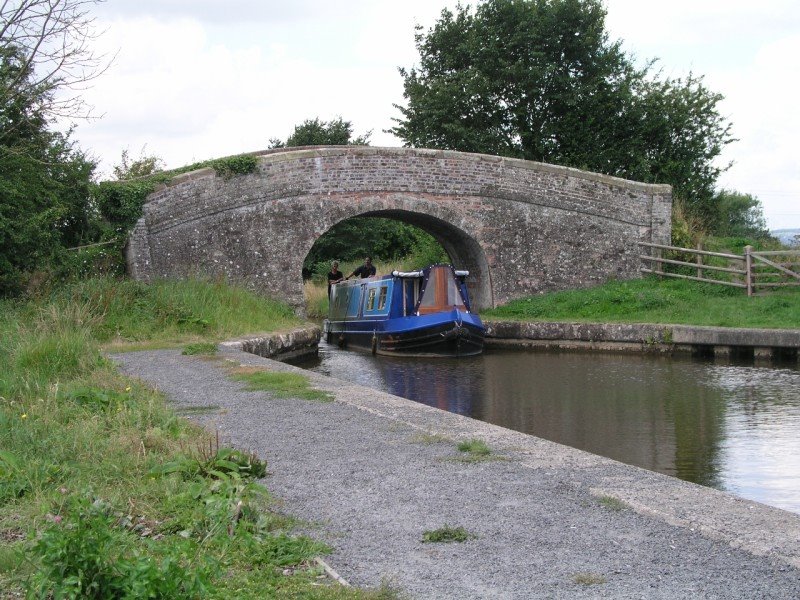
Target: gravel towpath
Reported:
[(373, 472)]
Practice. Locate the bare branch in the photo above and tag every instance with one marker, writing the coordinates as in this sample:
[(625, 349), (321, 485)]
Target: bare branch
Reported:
[(48, 44)]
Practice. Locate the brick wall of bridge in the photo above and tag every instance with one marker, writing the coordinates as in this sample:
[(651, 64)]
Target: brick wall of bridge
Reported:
[(520, 227)]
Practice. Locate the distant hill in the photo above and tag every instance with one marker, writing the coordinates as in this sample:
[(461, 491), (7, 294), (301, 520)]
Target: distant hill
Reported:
[(787, 236)]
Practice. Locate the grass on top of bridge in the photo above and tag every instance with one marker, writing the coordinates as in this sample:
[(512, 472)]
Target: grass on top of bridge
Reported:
[(653, 300), (103, 487)]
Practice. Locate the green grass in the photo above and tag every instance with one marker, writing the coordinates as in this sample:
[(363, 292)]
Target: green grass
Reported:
[(201, 348), (170, 312), (447, 534), (474, 451), (475, 447), (99, 476), (612, 503), (280, 384), (652, 300)]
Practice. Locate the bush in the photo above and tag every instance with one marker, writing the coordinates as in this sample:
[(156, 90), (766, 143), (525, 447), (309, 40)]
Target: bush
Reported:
[(85, 553), (222, 464)]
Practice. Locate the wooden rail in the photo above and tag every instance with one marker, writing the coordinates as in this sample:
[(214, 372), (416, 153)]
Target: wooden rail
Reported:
[(748, 271)]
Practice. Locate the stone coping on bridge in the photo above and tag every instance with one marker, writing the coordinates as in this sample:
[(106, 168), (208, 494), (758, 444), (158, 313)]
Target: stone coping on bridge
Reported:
[(301, 152), (647, 337)]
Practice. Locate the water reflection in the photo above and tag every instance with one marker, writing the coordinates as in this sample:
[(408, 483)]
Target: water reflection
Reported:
[(726, 426)]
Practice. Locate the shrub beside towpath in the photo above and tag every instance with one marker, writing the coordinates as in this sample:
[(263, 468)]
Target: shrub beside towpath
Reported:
[(104, 491)]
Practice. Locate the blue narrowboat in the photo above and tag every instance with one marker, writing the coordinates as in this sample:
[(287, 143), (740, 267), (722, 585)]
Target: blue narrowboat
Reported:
[(417, 313)]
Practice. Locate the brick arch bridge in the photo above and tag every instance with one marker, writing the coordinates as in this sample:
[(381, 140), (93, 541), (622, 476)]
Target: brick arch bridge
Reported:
[(519, 227)]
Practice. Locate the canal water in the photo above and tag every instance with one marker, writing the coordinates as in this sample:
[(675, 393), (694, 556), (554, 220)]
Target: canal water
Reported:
[(734, 427)]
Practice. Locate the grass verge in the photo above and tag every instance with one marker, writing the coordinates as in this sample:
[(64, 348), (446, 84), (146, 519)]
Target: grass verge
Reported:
[(200, 348), (653, 300), (104, 491), (280, 384)]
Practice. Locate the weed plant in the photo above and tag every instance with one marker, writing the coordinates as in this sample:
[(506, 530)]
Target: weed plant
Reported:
[(476, 447), (447, 534), (654, 300), (612, 503), (104, 491), (474, 451)]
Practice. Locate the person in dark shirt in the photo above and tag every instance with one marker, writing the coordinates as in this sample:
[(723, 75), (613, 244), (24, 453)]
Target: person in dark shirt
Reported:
[(334, 276), (365, 270)]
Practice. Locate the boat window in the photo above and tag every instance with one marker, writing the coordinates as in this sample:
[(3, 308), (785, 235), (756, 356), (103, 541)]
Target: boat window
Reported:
[(441, 292), (382, 298), (371, 300)]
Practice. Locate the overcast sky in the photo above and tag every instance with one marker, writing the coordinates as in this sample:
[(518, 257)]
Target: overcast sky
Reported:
[(199, 79)]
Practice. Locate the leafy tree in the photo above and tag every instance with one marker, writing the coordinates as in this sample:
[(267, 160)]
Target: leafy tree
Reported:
[(45, 59), (313, 132), (355, 238), (739, 215), (541, 80)]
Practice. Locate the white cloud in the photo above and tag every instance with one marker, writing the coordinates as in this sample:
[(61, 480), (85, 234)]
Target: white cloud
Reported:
[(198, 79)]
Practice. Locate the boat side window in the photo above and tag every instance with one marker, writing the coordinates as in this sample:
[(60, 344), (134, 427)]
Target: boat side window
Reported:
[(382, 298), (371, 300)]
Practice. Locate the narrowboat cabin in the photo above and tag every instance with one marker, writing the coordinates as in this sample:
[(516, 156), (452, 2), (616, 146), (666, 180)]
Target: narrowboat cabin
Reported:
[(417, 313)]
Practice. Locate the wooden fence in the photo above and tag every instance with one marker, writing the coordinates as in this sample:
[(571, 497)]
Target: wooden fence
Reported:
[(749, 271)]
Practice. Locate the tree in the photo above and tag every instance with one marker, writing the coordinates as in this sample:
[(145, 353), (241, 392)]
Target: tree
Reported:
[(45, 180), (313, 132), (52, 39), (541, 80), (380, 238), (739, 215)]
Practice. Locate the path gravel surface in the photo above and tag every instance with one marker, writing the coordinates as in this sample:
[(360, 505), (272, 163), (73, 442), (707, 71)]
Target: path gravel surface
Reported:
[(368, 474)]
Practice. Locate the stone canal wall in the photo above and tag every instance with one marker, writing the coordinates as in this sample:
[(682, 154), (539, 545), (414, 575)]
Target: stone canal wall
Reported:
[(285, 345), (645, 337), (610, 337)]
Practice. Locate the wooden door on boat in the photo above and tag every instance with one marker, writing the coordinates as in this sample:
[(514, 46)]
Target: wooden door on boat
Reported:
[(441, 292)]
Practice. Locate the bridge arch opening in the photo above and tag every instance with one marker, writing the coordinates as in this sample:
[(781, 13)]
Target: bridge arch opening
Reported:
[(454, 246)]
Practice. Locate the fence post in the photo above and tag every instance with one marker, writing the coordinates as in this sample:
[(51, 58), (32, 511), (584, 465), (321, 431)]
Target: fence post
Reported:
[(658, 253), (748, 267), (699, 260)]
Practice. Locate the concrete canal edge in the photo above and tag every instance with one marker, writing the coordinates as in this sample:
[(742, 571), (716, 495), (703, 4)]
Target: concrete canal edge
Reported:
[(759, 529), (779, 344)]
